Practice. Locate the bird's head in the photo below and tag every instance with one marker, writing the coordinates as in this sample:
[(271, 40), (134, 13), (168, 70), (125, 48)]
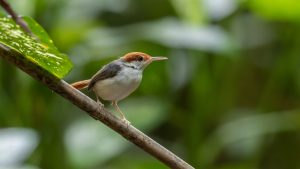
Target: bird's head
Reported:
[(139, 60)]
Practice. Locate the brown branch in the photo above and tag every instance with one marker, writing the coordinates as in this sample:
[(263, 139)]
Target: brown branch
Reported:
[(92, 108), (17, 19)]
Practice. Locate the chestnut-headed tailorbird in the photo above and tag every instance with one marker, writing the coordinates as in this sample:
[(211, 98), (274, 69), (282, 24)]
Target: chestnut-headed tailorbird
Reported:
[(118, 79)]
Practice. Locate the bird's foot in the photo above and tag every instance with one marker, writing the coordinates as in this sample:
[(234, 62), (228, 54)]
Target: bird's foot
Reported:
[(101, 105), (126, 121)]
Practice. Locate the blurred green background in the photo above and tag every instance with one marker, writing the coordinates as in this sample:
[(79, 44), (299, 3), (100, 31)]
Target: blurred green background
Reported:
[(227, 98)]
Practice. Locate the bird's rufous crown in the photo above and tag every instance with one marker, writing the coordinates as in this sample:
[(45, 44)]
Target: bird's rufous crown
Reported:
[(136, 56)]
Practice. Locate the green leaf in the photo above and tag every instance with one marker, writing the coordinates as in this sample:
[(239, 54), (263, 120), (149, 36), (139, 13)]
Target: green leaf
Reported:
[(42, 53)]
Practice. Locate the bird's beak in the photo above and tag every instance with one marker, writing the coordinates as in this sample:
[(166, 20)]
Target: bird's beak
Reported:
[(158, 58), (151, 60)]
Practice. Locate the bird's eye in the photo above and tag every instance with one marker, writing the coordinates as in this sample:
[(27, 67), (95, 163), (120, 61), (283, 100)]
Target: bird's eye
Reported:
[(140, 58)]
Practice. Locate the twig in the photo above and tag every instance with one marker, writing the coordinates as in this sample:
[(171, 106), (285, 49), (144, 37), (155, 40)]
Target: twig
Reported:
[(17, 19), (92, 108)]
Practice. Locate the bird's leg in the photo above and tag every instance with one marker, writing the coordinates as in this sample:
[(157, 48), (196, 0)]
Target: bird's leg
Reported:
[(101, 105), (115, 104)]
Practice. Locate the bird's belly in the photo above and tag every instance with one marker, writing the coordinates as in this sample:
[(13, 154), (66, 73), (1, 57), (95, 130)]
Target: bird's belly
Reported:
[(117, 88)]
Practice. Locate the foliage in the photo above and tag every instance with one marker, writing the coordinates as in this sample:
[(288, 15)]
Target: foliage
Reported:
[(43, 53)]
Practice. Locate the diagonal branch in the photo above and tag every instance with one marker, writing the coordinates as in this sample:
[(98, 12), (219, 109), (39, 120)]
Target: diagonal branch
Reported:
[(92, 108)]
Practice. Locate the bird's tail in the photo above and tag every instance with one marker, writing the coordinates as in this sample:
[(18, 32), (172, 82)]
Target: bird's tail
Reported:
[(81, 84)]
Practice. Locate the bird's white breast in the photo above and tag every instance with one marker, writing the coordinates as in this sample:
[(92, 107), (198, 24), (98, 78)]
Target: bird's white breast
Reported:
[(119, 86)]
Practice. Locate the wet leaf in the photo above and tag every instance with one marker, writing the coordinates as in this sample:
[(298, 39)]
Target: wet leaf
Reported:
[(42, 52)]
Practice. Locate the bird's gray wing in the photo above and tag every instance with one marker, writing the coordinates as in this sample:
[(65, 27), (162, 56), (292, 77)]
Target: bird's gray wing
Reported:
[(106, 72)]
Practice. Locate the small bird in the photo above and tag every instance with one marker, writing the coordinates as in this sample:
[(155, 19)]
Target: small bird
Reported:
[(119, 78)]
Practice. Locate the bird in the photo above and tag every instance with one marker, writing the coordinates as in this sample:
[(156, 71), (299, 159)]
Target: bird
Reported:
[(118, 79)]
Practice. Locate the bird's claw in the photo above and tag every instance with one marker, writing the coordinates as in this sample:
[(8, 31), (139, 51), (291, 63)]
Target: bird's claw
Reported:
[(126, 121), (101, 105)]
